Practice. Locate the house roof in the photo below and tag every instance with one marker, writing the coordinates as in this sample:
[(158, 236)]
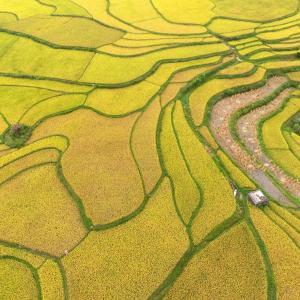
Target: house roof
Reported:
[(258, 197)]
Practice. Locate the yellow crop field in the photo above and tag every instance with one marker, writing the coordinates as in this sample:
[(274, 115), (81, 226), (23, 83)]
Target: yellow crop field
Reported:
[(102, 66), (65, 7), (203, 278), (256, 11), (296, 93), (280, 64), (276, 140), (135, 41), (3, 124), (229, 28), (293, 141), (33, 259), (283, 261), (187, 196), (279, 34), (286, 215), (286, 53), (54, 142), (65, 31), (34, 158), (243, 41), (22, 98), (51, 281), (195, 12), (112, 49), (17, 280), (295, 101), (39, 221), (245, 45), (131, 260), (165, 71), (123, 100), (260, 47), (139, 11), (200, 97), (237, 69), (6, 18), (149, 149), (290, 231), (7, 41), (296, 213), (144, 147), (279, 23), (192, 71), (51, 106), (294, 76), (296, 138), (113, 142), (237, 175), (66, 64), (144, 15), (208, 177), (281, 148), (25, 8), (287, 161), (98, 11), (208, 137), (51, 85)]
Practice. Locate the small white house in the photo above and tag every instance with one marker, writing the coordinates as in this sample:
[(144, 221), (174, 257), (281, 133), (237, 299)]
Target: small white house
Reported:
[(258, 198)]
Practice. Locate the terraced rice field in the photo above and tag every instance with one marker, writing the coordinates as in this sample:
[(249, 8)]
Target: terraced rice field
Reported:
[(125, 125)]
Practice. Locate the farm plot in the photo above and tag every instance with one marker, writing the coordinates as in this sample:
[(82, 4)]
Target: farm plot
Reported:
[(275, 142), (131, 132)]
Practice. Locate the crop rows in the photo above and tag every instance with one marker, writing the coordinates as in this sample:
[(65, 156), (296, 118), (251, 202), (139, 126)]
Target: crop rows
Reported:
[(124, 127)]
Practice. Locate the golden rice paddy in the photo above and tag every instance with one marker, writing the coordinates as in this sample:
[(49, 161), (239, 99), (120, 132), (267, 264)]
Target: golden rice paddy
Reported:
[(113, 183)]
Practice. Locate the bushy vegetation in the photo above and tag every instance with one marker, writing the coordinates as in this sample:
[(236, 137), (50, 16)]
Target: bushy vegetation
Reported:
[(16, 135)]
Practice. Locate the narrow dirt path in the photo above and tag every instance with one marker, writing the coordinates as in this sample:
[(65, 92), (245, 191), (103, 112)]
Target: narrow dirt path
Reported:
[(246, 127), (221, 115)]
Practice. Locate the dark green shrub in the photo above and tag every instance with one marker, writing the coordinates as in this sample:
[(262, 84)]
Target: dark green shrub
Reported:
[(16, 135)]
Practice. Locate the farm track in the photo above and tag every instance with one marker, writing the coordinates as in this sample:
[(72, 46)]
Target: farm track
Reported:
[(247, 131), (221, 116)]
